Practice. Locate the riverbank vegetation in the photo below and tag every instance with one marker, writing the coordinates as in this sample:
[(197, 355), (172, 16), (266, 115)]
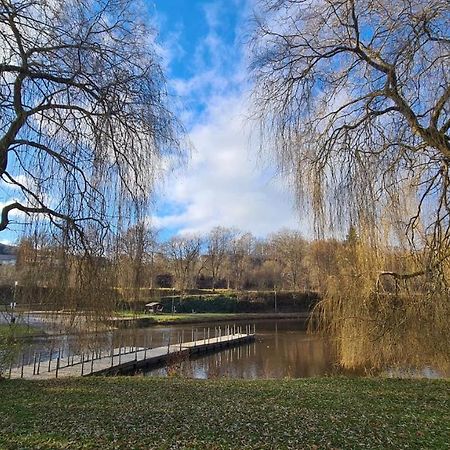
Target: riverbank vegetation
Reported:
[(144, 413)]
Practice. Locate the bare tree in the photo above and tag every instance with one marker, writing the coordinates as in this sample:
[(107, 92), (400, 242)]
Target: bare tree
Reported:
[(83, 116), (354, 98), (183, 253), (135, 259), (218, 246), (288, 248), (239, 258)]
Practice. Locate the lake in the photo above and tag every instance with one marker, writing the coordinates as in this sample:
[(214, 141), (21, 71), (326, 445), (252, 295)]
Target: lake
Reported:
[(282, 349)]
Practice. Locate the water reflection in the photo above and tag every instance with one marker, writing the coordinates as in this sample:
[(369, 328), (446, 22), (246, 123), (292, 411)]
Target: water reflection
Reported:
[(282, 349)]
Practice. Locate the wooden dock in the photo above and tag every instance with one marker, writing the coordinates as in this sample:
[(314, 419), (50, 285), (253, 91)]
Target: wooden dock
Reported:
[(129, 359)]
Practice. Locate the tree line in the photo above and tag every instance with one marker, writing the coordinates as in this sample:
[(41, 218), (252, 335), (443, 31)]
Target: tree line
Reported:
[(223, 258)]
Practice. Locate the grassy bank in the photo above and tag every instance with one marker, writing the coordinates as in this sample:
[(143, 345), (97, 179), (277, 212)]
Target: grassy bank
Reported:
[(161, 319), (18, 331), (143, 413)]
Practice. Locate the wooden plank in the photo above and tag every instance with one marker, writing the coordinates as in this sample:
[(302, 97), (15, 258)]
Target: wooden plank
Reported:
[(123, 362)]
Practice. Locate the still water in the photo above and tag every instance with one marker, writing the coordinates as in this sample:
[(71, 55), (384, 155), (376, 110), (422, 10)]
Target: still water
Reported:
[(281, 349)]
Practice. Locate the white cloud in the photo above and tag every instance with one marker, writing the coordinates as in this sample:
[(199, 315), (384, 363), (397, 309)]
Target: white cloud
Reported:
[(225, 183)]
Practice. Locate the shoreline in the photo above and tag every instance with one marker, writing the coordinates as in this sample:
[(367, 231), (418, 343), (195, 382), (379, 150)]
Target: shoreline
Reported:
[(194, 318)]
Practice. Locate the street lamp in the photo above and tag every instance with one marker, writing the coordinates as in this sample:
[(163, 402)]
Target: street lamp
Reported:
[(13, 304), (173, 300)]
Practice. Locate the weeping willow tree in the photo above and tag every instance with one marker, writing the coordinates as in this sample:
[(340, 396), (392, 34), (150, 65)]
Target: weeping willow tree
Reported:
[(75, 290), (353, 99), (85, 131)]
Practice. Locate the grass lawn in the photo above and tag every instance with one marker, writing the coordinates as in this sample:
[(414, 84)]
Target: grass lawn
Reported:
[(18, 330), (199, 317), (153, 413), (164, 318)]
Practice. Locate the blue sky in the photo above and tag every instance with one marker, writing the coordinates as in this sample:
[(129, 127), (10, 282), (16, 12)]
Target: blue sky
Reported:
[(226, 182)]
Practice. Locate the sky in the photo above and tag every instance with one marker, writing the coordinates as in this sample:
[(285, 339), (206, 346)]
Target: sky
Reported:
[(226, 182)]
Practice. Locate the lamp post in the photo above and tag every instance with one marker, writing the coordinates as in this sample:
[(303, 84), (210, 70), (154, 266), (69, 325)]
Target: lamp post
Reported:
[(173, 300), (13, 304)]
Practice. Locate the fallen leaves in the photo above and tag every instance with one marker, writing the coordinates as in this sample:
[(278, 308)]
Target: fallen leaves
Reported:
[(152, 413)]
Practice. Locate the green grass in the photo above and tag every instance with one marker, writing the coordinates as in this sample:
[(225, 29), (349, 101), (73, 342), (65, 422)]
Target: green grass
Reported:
[(197, 317), (18, 330), (145, 413), (164, 318)]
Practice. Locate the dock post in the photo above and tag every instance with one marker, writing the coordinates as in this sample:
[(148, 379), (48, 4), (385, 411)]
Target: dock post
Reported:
[(145, 347), (92, 363), (182, 336), (50, 359), (135, 352), (10, 368), (120, 354), (23, 362), (34, 364), (208, 335), (39, 364), (168, 345), (112, 358), (179, 338), (57, 367), (220, 334), (82, 364), (68, 358)]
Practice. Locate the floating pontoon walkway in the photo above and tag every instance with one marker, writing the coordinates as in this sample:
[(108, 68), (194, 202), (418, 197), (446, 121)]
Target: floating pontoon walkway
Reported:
[(129, 359)]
